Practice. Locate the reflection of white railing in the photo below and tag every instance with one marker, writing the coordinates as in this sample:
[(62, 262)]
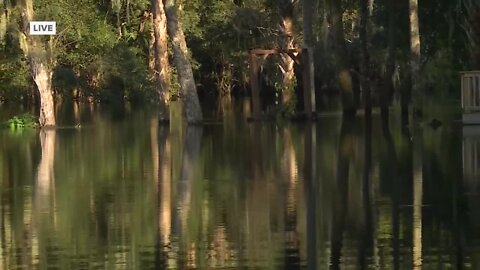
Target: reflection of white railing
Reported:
[(470, 90), (470, 158)]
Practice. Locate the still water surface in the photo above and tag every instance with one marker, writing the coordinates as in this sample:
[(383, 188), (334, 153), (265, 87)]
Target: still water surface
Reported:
[(123, 192)]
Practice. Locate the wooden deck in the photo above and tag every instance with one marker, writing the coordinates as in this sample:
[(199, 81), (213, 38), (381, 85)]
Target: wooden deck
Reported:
[(470, 87)]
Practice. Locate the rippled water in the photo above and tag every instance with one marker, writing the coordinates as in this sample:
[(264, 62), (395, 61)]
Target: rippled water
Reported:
[(123, 192)]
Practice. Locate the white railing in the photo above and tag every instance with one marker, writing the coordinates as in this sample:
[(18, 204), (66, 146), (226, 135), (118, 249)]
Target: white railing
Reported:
[(470, 90)]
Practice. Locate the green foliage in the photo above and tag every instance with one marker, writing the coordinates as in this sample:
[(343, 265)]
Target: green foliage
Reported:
[(23, 121), (102, 47), (439, 77)]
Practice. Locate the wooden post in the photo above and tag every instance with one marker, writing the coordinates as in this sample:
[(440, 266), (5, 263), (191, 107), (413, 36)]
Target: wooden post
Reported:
[(467, 92), (254, 85), (308, 84), (462, 94)]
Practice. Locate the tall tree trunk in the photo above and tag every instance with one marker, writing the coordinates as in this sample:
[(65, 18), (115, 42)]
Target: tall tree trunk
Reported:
[(308, 62), (387, 94), (161, 56), (342, 58), (472, 30), (40, 69), (192, 109), (365, 78), (414, 35), (151, 46), (414, 60), (4, 15), (286, 62)]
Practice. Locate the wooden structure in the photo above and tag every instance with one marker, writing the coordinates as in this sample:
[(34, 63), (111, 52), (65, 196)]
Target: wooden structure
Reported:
[(256, 59), (470, 84)]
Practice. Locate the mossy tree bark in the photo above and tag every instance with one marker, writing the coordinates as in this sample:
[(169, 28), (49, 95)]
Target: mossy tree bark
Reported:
[(192, 109), (40, 61), (161, 66), (342, 57)]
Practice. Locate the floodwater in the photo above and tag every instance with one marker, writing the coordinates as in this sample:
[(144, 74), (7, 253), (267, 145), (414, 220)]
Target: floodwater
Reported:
[(123, 192)]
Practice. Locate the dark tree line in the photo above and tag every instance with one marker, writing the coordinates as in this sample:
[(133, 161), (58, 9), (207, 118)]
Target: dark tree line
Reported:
[(365, 52)]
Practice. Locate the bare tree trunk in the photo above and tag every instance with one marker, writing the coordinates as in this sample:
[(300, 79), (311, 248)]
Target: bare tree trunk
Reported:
[(364, 14), (151, 44), (192, 109), (472, 30), (341, 54), (40, 69), (414, 35), (161, 56), (286, 62), (309, 83), (4, 15), (414, 60), (388, 89)]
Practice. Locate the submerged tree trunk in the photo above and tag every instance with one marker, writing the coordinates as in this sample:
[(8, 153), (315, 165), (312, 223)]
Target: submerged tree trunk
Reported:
[(286, 62), (40, 69), (192, 109), (342, 58), (161, 56)]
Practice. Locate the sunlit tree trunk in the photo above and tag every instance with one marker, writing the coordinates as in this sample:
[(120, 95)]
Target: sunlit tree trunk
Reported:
[(414, 36), (341, 55), (286, 62), (40, 69), (151, 45), (161, 56), (414, 60), (192, 109), (4, 15)]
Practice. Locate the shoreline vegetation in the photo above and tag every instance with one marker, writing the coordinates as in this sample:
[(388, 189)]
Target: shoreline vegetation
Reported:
[(366, 56)]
